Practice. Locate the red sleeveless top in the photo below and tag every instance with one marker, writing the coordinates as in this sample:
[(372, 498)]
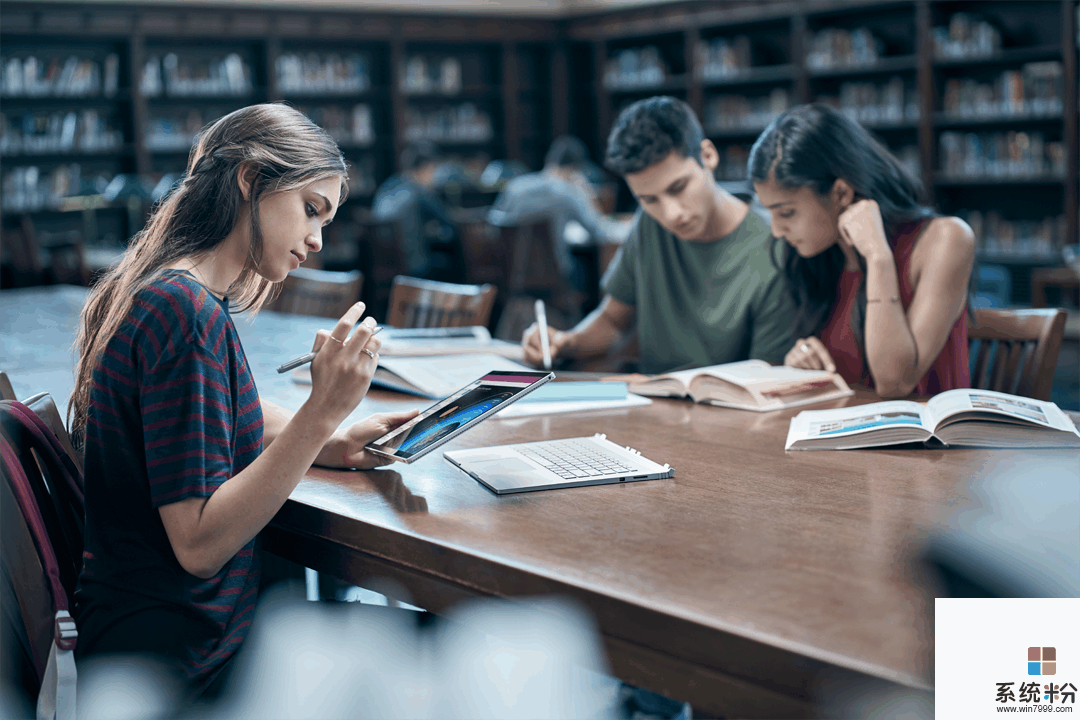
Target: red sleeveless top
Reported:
[(949, 371)]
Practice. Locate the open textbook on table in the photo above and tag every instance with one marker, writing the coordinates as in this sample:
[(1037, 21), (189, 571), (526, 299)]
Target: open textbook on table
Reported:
[(748, 385), (473, 339), (957, 418), (430, 376)]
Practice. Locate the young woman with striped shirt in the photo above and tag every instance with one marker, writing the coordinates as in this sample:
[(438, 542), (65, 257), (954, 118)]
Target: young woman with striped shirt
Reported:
[(185, 464)]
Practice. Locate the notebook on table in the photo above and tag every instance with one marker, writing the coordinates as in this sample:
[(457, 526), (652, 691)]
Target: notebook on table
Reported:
[(550, 464)]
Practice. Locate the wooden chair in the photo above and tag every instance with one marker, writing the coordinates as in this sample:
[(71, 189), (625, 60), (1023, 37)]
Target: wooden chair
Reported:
[(381, 258), (486, 255), (1016, 351), (318, 292), (426, 303)]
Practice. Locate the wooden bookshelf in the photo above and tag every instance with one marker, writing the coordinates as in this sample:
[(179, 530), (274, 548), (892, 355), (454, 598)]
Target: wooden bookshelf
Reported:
[(283, 55), (534, 79), (783, 41)]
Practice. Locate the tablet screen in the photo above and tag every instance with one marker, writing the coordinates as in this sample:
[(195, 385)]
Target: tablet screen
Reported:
[(447, 418)]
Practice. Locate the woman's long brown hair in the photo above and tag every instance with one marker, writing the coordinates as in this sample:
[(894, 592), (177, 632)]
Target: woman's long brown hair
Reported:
[(274, 145)]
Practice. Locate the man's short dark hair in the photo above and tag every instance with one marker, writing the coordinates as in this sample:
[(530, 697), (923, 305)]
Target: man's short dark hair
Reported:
[(566, 151), (648, 131), (418, 155)]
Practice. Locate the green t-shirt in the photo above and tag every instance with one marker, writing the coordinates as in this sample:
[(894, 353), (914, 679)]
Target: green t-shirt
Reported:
[(703, 303)]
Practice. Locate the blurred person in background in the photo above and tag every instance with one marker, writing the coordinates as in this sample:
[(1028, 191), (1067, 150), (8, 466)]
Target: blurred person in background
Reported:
[(559, 193), (408, 199)]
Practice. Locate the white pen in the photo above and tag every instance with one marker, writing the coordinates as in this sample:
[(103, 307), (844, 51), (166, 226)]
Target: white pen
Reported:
[(541, 323), (305, 359)]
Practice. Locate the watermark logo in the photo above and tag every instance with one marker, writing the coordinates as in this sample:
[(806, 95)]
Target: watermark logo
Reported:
[(1042, 661)]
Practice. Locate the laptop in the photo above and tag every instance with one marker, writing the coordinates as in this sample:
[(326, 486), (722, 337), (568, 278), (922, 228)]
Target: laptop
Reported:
[(551, 464)]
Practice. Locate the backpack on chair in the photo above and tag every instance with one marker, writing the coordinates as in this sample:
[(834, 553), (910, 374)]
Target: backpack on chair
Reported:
[(32, 537)]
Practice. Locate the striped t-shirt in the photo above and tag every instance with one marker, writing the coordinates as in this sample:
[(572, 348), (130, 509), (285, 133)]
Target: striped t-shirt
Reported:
[(173, 414)]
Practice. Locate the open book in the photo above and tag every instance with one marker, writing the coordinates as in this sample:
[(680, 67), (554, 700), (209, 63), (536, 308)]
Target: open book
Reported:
[(749, 385), (446, 341), (964, 418), (434, 377)]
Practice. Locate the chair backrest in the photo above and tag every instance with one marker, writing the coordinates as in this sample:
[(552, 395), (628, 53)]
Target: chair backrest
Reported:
[(319, 292), (43, 406), (486, 256), (426, 303), (6, 391), (381, 258), (1016, 351)]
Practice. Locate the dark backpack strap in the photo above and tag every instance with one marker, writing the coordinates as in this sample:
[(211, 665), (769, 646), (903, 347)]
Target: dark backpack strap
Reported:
[(34, 424), (62, 511), (24, 495)]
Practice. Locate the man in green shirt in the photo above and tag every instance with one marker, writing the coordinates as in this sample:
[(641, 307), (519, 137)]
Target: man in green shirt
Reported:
[(695, 276)]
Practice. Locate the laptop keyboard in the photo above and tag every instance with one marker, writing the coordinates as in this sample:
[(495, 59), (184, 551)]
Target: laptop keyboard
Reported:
[(573, 459)]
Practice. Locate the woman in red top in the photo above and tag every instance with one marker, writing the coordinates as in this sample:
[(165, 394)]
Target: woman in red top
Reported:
[(881, 282)]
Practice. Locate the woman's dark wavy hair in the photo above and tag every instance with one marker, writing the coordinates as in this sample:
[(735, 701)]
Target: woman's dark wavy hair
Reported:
[(812, 146)]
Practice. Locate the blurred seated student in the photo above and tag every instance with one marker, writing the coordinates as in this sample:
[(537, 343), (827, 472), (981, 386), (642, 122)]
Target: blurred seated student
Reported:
[(408, 198), (880, 281), (559, 193), (695, 276), (185, 463)]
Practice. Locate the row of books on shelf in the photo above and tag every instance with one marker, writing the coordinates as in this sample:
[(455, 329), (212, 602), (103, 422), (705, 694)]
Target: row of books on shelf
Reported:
[(1036, 89), (738, 112), (348, 126), (1000, 155), (722, 58), (174, 76), (26, 188), (314, 74), (635, 68), (839, 48), (966, 36), (422, 74), (58, 132), (871, 103), (459, 123), (176, 128), (1022, 238), (34, 77)]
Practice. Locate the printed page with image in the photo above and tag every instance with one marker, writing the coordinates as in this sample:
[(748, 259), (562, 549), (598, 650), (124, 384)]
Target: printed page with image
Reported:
[(957, 418)]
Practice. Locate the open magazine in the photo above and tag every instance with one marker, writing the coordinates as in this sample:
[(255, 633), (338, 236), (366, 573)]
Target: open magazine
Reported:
[(748, 385), (957, 418)]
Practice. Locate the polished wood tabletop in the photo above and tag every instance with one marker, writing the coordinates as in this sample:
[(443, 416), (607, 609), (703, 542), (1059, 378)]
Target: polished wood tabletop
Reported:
[(748, 584)]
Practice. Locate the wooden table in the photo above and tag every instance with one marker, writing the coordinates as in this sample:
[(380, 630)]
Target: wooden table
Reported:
[(745, 584)]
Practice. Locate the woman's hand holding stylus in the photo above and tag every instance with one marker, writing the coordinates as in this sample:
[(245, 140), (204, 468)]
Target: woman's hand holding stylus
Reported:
[(343, 366)]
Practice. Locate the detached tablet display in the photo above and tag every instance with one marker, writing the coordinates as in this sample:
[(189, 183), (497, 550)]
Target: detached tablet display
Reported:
[(457, 413)]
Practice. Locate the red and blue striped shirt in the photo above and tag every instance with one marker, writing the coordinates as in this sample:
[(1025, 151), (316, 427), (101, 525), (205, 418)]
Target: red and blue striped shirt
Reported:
[(173, 414)]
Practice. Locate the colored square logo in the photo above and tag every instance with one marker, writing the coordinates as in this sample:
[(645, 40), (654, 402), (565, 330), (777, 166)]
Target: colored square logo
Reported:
[(1042, 661)]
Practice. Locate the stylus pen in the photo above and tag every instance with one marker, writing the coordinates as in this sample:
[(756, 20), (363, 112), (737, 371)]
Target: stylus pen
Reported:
[(541, 323), (305, 359)]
